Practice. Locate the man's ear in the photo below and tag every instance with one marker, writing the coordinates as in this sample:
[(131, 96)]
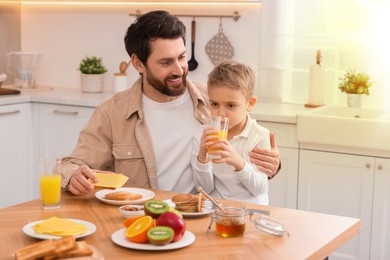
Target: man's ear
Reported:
[(137, 64)]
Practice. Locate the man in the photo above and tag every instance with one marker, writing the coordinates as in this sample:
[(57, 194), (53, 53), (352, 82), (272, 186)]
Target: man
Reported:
[(146, 132)]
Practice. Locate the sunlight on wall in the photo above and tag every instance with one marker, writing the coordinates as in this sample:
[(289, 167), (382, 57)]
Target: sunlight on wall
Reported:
[(351, 34), (379, 39)]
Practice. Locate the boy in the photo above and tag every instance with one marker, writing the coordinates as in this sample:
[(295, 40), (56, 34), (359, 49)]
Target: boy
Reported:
[(230, 88)]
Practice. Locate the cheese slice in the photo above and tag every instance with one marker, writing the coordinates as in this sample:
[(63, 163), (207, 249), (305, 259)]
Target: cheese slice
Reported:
[(60, 227), (110, 180)]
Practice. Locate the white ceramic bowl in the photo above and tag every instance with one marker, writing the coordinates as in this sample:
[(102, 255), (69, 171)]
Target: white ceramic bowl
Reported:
[(129, 211)]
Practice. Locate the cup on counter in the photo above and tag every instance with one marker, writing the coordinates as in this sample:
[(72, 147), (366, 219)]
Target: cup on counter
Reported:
[(50, 182), (221, 124)]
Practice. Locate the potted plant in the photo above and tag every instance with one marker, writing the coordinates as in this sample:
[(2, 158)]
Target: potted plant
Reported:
[(355, 84), (92, 74)]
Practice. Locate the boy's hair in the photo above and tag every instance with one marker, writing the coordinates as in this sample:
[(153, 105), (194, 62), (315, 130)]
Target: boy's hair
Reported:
[(234, 75), (150, 27)]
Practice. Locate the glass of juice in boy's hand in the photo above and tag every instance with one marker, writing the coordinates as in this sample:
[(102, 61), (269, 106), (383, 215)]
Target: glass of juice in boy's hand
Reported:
[(221, 124), (50, 182)]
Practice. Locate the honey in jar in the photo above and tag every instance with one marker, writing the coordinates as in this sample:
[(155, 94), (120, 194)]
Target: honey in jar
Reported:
[(230, 222)]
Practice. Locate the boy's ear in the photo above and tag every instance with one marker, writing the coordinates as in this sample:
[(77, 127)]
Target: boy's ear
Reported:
[(251, 103)]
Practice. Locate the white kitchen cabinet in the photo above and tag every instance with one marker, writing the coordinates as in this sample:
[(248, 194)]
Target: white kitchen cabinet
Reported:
[(59, 128), (15, 153), (339, 184), (282, 188), (380, 235)]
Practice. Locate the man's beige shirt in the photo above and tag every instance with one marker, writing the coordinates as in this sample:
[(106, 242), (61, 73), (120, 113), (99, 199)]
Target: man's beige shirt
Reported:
[(117, 139)]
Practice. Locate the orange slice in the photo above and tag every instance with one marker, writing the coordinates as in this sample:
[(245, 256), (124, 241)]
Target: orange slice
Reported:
[(138, 231), (127, 222)]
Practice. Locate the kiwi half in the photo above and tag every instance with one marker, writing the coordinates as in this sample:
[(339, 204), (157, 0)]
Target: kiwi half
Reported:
[(160, 235), (155, 208)]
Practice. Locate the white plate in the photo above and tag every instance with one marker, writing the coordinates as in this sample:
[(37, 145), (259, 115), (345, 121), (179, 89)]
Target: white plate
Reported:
[(119, 238), (28, 230), (189, 214), (146, 195)]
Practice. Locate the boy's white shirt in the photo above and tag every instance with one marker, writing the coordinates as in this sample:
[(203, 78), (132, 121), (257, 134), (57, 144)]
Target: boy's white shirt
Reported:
[(171, 126), (222, 181)]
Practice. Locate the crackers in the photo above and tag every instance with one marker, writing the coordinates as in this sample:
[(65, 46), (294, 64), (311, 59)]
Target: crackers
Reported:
[(188, 202)]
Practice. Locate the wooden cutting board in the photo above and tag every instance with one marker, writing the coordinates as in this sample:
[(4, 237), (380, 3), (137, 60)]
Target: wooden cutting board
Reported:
[(7, 91)]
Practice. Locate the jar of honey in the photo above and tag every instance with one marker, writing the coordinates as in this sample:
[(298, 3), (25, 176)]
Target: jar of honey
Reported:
[(229, 222)]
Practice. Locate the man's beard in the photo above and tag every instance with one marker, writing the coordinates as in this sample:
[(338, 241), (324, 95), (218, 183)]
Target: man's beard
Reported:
[(163, 87)]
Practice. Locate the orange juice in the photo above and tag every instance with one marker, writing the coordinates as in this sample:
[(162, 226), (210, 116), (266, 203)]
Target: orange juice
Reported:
[(222, 134), (221, 124), (50, 190)]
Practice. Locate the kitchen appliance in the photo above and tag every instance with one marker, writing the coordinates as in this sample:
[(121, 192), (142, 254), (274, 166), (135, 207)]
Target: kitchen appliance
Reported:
[(22, 68)]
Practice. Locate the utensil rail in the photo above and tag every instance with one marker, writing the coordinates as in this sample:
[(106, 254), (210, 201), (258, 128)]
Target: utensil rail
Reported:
[(236, 15)]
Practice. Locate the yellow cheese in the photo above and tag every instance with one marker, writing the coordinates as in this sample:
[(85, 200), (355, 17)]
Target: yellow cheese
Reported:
[(110, 180), (60, 227)]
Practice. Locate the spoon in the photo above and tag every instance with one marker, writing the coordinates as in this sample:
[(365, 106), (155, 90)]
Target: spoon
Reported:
[(192, 63), (215, 203)]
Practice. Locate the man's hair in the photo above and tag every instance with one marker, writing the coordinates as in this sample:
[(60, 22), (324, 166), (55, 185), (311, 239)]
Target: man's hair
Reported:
[(150, 27), (234, 75)]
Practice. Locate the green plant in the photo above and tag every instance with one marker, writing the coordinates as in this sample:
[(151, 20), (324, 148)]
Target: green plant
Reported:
[(355, 83), (92, 65)]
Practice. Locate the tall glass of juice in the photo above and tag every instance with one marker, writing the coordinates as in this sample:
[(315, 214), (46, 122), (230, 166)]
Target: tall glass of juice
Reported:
[(50, 182), (221, 124)]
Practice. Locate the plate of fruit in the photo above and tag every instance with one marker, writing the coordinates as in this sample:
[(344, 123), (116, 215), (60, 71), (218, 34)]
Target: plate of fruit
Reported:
[(159, 229)]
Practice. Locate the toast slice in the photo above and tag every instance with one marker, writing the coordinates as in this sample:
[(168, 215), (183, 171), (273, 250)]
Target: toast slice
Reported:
[(36, 250), (62, 246), (65, 247), (82, 249)]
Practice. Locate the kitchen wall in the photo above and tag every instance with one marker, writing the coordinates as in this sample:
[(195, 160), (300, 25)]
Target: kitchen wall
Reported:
[(65, 34), (279, 38), (9, 31), (352, 35)]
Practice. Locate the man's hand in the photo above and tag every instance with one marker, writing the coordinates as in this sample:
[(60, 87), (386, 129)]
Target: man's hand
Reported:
[(79, 184), (267, 161)]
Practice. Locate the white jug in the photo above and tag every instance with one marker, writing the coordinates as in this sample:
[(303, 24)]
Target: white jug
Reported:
[(22, 67)]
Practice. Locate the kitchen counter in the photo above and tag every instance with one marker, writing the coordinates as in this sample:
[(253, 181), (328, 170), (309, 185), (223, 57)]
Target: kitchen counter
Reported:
[(263, 111), (278, 112), (62, 96)]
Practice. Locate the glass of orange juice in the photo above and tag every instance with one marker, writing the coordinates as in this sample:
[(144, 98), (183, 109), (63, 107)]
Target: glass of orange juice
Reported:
[(221, 124), (50, 182)]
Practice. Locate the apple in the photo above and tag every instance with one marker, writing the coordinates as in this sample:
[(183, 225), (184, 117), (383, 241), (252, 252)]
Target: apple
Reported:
[(172, 209), (170, 219)]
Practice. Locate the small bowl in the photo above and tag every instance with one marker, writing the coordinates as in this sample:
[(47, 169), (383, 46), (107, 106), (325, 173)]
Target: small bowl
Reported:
[(129, 211)]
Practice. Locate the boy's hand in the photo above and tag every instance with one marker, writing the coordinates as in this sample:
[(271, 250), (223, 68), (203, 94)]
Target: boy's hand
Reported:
[(228, 155)]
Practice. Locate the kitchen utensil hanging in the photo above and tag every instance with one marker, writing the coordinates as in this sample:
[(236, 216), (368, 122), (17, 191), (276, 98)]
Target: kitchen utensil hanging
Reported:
[(219, 47), (192, 63)]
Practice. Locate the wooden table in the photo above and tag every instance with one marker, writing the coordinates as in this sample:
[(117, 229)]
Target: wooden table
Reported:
[(312, 235)]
